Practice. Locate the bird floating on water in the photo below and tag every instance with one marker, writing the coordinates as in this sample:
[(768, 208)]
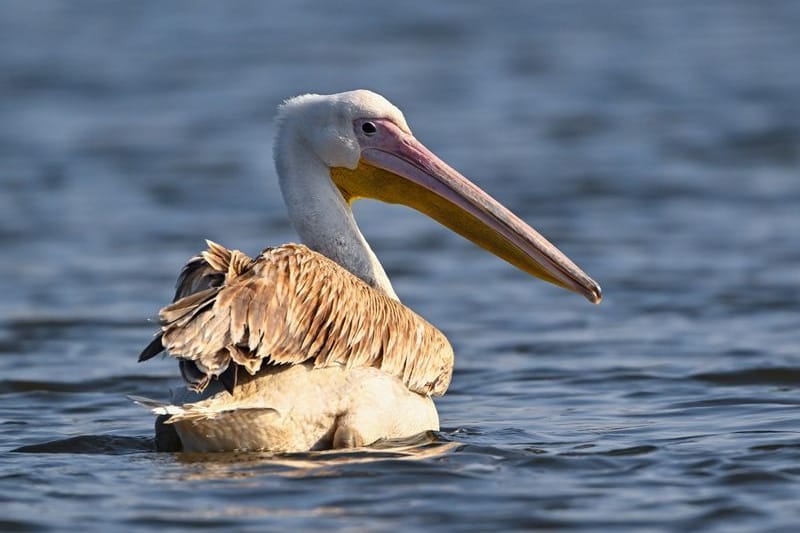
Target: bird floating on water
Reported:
[(307, 346)]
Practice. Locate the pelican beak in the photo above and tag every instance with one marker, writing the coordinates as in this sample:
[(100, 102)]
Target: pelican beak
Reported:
[(396, 168)]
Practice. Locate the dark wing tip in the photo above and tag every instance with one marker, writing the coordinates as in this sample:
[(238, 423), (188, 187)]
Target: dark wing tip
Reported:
[(195, 276), (230, 377), (154, 348), (195, 379)]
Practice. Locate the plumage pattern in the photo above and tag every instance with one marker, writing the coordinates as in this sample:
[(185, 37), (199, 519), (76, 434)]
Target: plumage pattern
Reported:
[(291, 305)]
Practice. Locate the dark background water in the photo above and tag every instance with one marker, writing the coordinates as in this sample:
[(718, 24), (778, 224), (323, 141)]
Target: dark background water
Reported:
[(657, 143)]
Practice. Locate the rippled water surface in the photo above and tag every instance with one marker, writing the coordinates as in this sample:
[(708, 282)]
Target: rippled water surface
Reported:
[(657, 143)]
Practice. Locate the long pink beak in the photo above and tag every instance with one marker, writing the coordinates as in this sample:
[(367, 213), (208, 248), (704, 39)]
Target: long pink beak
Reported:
[(482, 219)]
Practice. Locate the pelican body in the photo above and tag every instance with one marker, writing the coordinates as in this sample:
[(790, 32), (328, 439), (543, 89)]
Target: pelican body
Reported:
[(307, 346)]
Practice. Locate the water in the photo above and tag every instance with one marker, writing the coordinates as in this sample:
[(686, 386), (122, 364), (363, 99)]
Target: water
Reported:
[(656, 143)]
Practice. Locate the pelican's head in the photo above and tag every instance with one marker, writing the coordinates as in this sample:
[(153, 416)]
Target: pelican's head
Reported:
[(366, 143)]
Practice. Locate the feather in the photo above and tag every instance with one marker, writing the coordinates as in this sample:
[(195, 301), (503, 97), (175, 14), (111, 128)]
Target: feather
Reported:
[(291, 305), (154, 348)]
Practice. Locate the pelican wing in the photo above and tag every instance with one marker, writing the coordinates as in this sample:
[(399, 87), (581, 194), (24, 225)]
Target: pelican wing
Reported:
[(197, 275), (291, 305)]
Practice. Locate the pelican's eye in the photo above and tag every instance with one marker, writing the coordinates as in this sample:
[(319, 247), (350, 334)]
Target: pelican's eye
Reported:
[(369, 128)]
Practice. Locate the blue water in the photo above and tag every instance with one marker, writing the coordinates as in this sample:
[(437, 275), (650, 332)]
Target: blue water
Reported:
[(657, 143)]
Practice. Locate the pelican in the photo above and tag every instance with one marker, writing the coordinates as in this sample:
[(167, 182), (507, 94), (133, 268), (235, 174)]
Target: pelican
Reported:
[(307, 346)]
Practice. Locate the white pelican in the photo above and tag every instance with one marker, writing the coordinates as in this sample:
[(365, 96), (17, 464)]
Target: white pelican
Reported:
[(307, 347)]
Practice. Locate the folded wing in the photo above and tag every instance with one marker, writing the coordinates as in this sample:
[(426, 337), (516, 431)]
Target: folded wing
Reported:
[(291, 305)]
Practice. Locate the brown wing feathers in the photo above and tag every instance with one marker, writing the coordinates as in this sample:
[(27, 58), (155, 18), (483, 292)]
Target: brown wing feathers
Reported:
[(292, 305)]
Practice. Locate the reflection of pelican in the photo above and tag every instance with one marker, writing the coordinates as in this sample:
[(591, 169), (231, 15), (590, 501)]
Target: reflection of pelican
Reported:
[(311, 342)]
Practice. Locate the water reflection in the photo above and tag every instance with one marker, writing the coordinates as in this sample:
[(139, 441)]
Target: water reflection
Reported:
[(311, 464)]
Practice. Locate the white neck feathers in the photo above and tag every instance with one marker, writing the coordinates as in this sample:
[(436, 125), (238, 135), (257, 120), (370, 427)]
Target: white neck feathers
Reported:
[(319, 213)]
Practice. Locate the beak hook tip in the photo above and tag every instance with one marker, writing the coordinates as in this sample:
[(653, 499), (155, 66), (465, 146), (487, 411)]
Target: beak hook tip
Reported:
[(595, 294)]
